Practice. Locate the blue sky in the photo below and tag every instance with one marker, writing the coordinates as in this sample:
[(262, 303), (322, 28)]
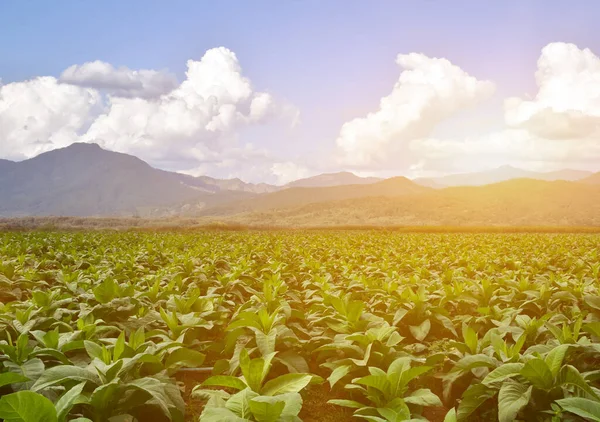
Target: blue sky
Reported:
[(332, 60)]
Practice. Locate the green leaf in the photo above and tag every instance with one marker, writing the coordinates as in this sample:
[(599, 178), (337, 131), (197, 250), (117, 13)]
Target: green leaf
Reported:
[(294, 362), (220, 414), (67, 401), (470, 337), (27, 406), (571, 376), (346, 403), (94, 350), (185, 357), (119, 346), (450, 416), (555, 357), (337, 374), (513, 397), (592, 301), (473, 397), (266, 411), (288, 383), (64, 373), (503, 372), (7, 378), (159, 391), (239, 403), (225, 381), (265, 342), (379, 382), (105, 291), (586, 408), (537, 372), (423, 397), (292, 404), (420, 331)]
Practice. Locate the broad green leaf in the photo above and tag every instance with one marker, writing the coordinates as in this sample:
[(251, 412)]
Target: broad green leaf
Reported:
[(501, 373), (346, 403), (555, 357), (265, 342), (239, 403), (513, 397), (67, 401), (119, 346), (292, 404), (293, 361), (288, 383), (220, 414), (27, 406), (473, 397), (64, 373), (569, 375), (265, 411), (225, 381), (420, 331), (337, 374), (450, 416), (7, 378), (586, 408), (378, 382), (184, 357), (537, 372), (423, 397), (470, 337)]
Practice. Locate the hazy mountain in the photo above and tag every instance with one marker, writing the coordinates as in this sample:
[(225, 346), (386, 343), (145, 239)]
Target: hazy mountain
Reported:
[(594, 179), (294, 197), (210, 184), (332, 179), (85, 180), (6, 164), (522, 202), (500, 174)]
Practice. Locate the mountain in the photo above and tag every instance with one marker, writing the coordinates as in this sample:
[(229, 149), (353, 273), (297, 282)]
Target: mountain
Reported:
[(6, 164), (521, 202), (210, 184), (295, 197), (593, 179), (332, 179), (500, 174), (86, 180)]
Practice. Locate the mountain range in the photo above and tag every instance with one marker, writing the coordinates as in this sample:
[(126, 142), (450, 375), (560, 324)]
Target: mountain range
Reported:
[(86, 180)]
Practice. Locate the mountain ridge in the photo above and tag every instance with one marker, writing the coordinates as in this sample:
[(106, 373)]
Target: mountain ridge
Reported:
[(501, 174)]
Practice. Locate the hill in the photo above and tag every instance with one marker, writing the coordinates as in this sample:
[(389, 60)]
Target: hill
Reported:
[(593, 179), (501, 174), (523, 202), (295, 197), (86, 180), (332, 179)]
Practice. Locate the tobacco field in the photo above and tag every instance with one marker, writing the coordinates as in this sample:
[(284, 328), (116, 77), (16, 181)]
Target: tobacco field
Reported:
[(299, 325)]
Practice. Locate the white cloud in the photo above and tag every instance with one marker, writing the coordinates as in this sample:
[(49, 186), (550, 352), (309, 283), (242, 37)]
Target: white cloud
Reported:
[(41, 114), (567, 104), (288, 171), (201, 116), (428, 91), (121, 81)]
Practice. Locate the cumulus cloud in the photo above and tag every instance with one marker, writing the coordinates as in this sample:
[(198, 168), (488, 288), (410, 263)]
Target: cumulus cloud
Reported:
[(567, 104), (41, 114), (428, 91), (288, 171), (121, 81), (200, 116)]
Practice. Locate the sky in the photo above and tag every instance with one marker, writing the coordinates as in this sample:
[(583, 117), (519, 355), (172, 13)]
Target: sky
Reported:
[(271, 90)]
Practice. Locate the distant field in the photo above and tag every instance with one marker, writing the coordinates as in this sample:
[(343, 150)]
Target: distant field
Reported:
[(314, 325)]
